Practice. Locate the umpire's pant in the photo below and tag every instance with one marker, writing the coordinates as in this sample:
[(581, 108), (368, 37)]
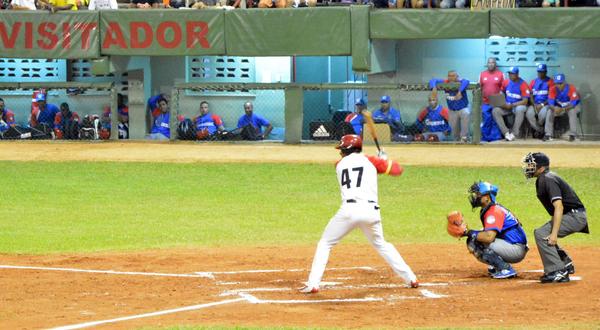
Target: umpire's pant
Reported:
[(572, 222)]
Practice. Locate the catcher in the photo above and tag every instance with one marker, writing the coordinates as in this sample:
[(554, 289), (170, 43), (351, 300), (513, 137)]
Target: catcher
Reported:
[(502, 240)]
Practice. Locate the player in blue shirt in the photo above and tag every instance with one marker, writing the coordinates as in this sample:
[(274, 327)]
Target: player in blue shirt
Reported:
[(433, 120), (44, 114), (538, 109), (161, 129), (357, 119), (517, 94), (502, 240), (388, 114), (7, 117), (458, 104), (250, 118)]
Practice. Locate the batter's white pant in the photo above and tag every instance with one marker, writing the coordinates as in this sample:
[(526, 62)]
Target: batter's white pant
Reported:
[(367, 217)]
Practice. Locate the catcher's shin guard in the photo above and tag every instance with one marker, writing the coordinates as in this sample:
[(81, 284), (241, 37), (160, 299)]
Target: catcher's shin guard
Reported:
[(486, 255)]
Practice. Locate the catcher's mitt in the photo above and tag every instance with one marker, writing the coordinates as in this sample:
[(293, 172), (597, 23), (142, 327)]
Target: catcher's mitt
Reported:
[(456, 227)]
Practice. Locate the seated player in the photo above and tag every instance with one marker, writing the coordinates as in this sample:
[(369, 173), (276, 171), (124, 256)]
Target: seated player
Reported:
[(357, 119), (207, 124), (390, 115), (159, 107), (42, 113), (563, 99), (66, 123), (502, 240), (432, 121), (7, 118), (255, 123)]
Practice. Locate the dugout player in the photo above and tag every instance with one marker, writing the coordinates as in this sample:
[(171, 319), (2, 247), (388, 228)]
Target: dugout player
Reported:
[(538, 110), (7, 117), (563, 98), (517, 95), (567, 212), (357, 118), (357, 178), (502, 240), (207, 124), (458, 104), (160, 115)]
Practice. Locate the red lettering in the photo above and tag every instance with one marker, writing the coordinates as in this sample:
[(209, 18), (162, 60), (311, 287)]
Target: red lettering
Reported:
[(9, 42), (28, 35), (45, 30), (117, 39), (161, 34), (135, 37), (196, 34), (86, 30), (66, 43)]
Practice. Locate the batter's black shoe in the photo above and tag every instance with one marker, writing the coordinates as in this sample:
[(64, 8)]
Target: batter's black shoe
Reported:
[(559, 276)]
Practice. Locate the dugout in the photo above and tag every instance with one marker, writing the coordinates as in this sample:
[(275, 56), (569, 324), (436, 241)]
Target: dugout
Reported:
[(340, 44)]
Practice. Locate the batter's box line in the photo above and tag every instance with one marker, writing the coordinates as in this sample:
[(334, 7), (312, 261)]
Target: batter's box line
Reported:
[(211, 274)]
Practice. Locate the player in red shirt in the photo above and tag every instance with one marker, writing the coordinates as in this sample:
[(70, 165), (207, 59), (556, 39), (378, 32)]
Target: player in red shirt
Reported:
[(490, 81)]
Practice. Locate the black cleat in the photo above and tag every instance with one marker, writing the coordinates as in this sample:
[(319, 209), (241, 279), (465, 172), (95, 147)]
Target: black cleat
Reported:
[(570, 268), (559, 276)]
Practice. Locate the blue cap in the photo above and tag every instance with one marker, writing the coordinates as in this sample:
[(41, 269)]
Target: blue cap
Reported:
[(385, 99), (40, 97), (542, 68), (513, 69), (559, 78), (360, 101)]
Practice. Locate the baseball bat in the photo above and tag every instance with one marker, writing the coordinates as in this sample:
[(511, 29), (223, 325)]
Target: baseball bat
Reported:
[(371, 127)]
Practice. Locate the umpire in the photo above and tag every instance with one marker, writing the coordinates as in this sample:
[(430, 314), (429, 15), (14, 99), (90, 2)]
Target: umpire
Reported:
[(568, 217)]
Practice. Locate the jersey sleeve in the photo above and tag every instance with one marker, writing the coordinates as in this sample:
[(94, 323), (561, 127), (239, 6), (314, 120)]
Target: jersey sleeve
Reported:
[(386, 166), (503, 85), (433, 82), (464, 83), (422, 115), (531, 84), (573, 95), (10, 118), (217, 120), (348, 118), (58, 120), (525, 92), (262, 121), (493, 219), (155, 112), (444, 113), (552, 95), (553, 190)]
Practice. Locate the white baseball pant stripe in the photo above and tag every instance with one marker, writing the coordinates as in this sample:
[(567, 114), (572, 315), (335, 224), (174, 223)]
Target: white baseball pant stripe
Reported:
[(368, 219)]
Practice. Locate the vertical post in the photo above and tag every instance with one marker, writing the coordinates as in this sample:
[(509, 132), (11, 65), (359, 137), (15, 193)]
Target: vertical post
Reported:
[(114, 113), (476, 115), (137, 110), (294, 112), (174, 111)]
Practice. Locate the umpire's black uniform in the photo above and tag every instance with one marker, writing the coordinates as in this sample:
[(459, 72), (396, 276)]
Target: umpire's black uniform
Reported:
[(551, 187)]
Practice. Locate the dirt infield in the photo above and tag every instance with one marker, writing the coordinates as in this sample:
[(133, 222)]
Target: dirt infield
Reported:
[(256, 286), (259, 290), (562, 155)]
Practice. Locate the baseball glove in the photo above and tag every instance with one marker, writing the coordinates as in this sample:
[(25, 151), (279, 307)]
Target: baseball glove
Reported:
[(456, 227), (202, 134)]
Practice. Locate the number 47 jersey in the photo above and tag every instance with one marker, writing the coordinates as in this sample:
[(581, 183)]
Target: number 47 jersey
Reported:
[(357, 176)]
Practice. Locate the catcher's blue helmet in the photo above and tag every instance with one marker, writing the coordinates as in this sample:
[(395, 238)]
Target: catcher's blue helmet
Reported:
[(479, 189)]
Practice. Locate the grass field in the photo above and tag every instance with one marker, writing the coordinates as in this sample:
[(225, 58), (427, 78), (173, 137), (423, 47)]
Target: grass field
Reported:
[(50, 207)]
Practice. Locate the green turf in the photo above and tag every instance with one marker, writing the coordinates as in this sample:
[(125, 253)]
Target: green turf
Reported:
[(93, 206)]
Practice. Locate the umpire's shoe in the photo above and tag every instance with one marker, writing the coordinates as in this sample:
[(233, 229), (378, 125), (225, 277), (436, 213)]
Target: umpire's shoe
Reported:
[(559, 276)]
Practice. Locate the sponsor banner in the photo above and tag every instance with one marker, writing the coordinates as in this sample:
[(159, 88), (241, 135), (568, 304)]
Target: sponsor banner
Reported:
[(162, 32), (33, 34)]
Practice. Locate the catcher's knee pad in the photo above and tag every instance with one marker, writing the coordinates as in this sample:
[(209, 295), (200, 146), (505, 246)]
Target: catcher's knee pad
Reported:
[(475, 248)]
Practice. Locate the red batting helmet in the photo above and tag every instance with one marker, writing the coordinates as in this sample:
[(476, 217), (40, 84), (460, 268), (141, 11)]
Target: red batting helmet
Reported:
[(350, 141)]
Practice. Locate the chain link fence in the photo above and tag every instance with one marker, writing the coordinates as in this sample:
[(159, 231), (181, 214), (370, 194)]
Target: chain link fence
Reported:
[(311, 112), (83, 98)]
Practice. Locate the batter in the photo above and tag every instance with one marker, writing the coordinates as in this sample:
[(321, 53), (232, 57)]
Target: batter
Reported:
[(357, 177)]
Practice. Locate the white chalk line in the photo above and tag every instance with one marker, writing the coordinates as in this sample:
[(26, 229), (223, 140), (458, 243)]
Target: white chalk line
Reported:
[(254, 300), (139, 316), (293, 270), (97, 271), (572, 278)]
